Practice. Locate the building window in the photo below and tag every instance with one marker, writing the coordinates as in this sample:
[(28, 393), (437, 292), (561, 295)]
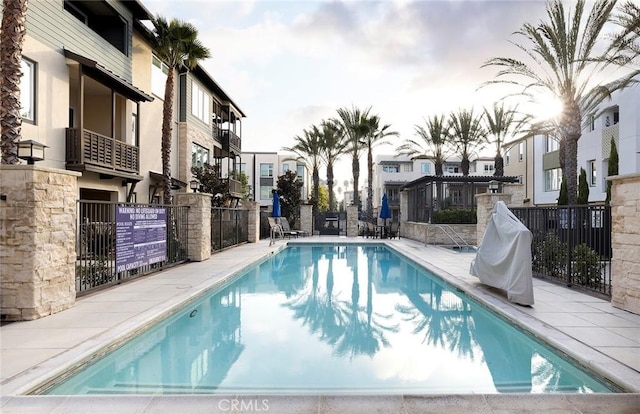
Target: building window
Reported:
[(28, 91), (199, 155), (285, 167), (300, 171), (391, 168), (134, 130), (506, 158), (243, 167), (200, 103), (265, 192), (591, 165), (425, 168), (407, 168), (552, 179), (592, 122), (266, 170), (159, 73), (521, 151), (616, 117), (453, 169), (552, 144), (488, 168)]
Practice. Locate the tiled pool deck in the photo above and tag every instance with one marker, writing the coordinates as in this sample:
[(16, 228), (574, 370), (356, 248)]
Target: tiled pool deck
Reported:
[(600, 336)]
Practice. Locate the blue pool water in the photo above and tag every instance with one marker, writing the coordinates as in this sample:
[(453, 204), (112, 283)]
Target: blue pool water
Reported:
[(332, 319)]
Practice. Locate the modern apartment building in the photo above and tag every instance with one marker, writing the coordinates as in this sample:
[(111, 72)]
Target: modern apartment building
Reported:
[(536, 158), (264, 168), (93, 90)]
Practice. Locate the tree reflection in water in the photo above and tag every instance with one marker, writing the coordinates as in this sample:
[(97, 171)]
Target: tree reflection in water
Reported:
[(350, 328)]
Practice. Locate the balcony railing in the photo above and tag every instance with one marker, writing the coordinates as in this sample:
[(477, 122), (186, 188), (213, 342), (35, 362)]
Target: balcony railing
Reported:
[(230, 141), (235, 187), (100, 151)]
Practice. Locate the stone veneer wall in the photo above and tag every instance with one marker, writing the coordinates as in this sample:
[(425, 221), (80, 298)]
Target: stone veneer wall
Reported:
[(254, 220), (484, 209), (306, 218), (352, 221), (430, 233), (199, 224), (625, 265), (37, 241)]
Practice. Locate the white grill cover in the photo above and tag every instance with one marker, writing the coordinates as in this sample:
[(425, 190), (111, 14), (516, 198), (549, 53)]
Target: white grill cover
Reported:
[(504, 257)]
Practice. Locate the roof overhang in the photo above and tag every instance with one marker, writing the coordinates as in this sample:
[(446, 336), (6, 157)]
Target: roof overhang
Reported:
[(175, 183), (429, 179), (102, 74)]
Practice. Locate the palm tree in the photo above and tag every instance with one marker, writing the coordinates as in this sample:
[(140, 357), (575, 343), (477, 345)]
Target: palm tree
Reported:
[(564, 63), (626, 44), (500, 123), (308, 147), (176, 44), (467, 134), (432, 142), (14, 16), (333, 145), (376, 136), (354, 126)]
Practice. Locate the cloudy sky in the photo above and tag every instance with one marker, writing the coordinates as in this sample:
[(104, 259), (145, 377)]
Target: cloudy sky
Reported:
[(291, 64)]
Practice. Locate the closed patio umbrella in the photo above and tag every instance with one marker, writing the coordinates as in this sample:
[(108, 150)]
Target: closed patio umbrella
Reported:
[(385, 211), (276, 205)]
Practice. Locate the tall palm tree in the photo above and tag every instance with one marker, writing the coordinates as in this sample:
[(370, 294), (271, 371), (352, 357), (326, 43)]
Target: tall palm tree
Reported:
[(500, 123), (467, 134), (354, 126), (14, 16), (308, 147), (564, 62), (333, 145), (376, 136), (432, 142), (176, 44)]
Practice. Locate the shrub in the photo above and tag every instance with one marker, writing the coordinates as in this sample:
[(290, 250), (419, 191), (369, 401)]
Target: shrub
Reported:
[(455, 216), (550, 256), (587, 267)]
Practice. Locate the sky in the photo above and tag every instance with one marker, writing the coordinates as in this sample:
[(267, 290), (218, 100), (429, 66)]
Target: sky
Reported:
[(290, 64)]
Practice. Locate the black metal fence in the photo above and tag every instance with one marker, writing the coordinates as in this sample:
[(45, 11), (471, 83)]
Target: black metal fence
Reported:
[(229, 227), (97, 238), (571, 244)]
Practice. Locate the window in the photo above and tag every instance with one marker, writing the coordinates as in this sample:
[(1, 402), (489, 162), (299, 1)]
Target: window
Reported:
[(285, 167), (134, 130), (591, 165), (521, 151), (488, 168), (592, 122), (506, 158), (425, 168), (159, 73), (199, 155), (552, 179), (407, 168), (453, 169), (300, 171), (552, 144), (28, 91), (616, 117), (393, 168), (266, 170), (200, 103), (243, 167), (265, 192)]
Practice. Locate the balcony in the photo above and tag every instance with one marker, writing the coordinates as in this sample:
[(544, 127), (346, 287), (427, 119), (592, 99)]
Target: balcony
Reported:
[(230, 141), (235, 188), (90, 151)]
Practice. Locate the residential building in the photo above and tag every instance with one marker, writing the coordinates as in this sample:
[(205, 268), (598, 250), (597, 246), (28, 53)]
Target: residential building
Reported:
[(263, 169), (92, 92), (537, 160)]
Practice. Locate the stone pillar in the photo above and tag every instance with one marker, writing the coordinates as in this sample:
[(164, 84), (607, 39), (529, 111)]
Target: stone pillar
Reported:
[(485, 203), (37, 240), (306, 218), (625, 242), (199, 224), (254, 220), (404, 211), (352, 221)]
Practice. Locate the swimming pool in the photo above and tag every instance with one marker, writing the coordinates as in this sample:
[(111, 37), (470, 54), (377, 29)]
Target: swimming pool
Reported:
[(332, 319)]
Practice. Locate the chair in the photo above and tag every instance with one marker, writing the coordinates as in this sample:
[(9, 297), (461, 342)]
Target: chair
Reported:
[(287, 228), (394, 230), (276, 228), (372, 230)]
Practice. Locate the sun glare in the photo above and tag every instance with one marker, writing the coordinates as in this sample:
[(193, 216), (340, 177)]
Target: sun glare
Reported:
[(547, 107)]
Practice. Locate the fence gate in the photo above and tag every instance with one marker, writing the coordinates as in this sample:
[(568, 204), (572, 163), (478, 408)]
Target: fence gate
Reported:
[(328, 224)]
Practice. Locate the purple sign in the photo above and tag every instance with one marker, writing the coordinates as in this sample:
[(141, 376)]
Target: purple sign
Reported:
[(141, 236)]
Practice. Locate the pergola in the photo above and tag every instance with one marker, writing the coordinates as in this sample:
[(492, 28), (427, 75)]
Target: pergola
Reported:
[(432, 193)]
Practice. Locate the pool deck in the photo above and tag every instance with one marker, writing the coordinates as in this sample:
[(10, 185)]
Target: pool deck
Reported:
[(589, 329)]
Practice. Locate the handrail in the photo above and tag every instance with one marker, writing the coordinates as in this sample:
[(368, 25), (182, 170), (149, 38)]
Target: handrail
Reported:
[(446, 229)]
